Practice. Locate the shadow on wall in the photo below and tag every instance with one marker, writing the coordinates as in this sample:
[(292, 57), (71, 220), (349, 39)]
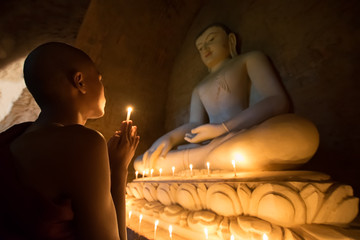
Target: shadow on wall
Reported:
[(24, 25)]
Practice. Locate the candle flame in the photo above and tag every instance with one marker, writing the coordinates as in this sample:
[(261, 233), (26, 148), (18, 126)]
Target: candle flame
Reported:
[(129, 109), (140, 218), (144, 173), (265, 237), (130, 214), (208, 164), (233, 163), (156, 223), (206, 233), (170, 230), (191, 166), (232, 237)]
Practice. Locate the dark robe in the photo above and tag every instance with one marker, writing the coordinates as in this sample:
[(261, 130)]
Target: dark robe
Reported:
[(24, 212)]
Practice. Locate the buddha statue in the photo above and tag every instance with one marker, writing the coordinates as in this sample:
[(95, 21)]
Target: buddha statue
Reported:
[(223, 126)]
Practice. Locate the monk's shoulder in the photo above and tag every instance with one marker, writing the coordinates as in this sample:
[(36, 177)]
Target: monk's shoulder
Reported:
[(83, 138)]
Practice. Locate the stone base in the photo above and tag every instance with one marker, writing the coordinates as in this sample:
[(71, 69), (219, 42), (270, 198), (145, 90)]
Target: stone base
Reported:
[(280, 205)]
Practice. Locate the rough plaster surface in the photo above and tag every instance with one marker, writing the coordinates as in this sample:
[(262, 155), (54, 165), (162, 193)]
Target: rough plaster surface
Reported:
[(23, 26), (315, 47), (134, 46)]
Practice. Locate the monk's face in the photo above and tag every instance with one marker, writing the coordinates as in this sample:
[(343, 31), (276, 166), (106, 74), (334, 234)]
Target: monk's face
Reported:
[(213, 46), (95, 93)]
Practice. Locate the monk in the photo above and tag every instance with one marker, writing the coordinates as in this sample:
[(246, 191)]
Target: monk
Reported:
[(67, 181), (223, 126)]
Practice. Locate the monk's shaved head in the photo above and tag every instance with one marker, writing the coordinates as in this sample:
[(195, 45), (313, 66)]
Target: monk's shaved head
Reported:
[(48, 70)]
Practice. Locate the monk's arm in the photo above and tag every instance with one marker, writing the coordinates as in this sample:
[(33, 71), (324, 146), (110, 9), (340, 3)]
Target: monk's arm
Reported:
[(88, 185), (274, 99)]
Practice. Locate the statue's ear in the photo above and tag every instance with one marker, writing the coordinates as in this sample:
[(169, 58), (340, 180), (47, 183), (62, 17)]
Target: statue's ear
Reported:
[(232, 45)]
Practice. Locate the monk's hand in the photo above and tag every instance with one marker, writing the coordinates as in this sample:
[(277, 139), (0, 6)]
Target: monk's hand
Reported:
[(205, 132), (122, 145), (159, 149)]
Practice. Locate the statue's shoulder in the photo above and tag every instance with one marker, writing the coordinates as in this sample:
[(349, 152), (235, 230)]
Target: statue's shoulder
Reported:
[(251, 55)]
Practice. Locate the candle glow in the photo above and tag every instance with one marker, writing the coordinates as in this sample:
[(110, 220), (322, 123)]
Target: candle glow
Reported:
[(208, 168), (234, 166), (232, 237), (155, 227), (265, 237), (170, 231), (206, 233), (143, 173), (191, 167), (129, 110), (151, 172), (160, 171), (173, 170), (130, 212), (136, 174), (140, 218)]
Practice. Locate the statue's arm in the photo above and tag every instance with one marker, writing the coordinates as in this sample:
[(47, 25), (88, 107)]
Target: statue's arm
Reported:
[(175, 137), (274, 100)]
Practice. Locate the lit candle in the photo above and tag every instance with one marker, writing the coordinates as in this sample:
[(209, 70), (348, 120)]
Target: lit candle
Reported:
[(151, 172), (143, 173), (140, 218), (155, 227), (206, 233), (234, 166), (191, 166), (208, 168), (129, 110), (130, 212), (232, 237), (173, 170), (160, 171), (170, 231), (265, 237), (136, 174)]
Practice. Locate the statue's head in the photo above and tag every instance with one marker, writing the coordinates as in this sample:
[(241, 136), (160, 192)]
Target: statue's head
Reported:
[(215, 44)]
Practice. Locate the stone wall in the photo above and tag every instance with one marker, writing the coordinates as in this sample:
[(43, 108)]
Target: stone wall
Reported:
[(315, 47), (134, 45), (23, 26)]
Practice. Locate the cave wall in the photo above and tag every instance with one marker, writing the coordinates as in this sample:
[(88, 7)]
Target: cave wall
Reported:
[(133, 46), (23, 26), (315, 47)]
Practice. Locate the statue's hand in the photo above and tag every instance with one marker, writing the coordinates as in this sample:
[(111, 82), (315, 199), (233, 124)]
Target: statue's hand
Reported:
[(159, 149), (204, 132)]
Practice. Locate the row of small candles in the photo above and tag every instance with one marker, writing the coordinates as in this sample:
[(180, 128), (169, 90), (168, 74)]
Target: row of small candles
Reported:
[(190, 167), (156, 223)]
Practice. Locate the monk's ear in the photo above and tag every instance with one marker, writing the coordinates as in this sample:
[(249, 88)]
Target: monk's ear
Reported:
[(79, 83), (232, 45)]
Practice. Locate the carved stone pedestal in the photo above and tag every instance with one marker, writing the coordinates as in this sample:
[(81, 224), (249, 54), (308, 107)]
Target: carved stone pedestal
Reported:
[(275, 204)]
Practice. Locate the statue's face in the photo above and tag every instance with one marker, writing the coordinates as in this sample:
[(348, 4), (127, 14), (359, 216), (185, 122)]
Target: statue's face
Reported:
[(213, 46)]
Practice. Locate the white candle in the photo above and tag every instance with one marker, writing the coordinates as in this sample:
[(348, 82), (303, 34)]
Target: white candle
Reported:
[(206, 233), (170, 231), (234, 166), (208, 168), (160, 171), (191, 166), (265, 237), (140, 218), (151, 172), (143, 173), (232, 237), (129, 110), (173, 170), (136, 174), (155, 227)]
